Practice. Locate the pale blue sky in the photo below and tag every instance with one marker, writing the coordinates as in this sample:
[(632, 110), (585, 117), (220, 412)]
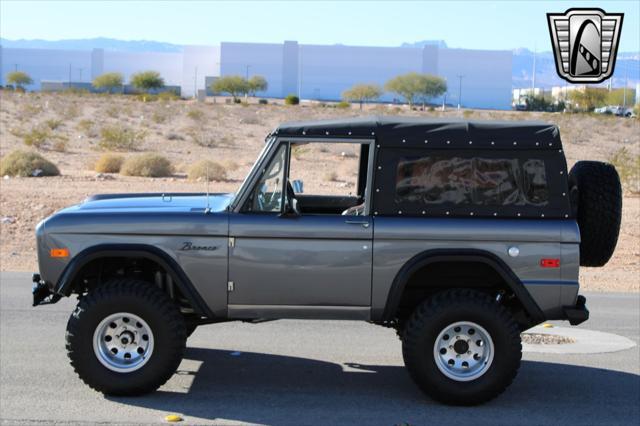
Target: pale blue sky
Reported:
[(465, 24)]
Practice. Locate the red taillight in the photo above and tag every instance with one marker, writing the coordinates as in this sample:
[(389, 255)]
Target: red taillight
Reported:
[(550, 263)]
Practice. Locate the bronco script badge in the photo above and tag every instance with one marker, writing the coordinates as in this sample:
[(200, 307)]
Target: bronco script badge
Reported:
[(585, 43)]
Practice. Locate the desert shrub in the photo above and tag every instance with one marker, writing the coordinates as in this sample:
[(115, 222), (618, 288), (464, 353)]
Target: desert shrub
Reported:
[(251, 120), (36, 137), (168, 96), (87, 127), (147, 165), (70, 112), (292, 100), (160, 116), (263, 101), (109, 163), (174, 137), (120, 138), (112, 111), (53, 124), (60, 143), (207, 169), (27, 164), (205, 139), (195, 114), (237, 101), (467, 113), (628, 167), (343, 105), (230, 165)]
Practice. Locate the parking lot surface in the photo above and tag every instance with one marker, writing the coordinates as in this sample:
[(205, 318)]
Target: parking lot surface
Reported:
[(306, 373)]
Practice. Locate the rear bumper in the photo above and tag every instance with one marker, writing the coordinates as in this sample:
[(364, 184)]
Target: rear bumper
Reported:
[(577, 314)]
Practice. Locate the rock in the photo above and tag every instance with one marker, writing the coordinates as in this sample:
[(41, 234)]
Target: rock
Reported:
[(7, 219), (7, 177), (36, 173), (104, 176)]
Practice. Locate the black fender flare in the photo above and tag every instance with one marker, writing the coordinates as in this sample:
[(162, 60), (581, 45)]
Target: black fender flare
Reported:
[(427, 257), (145, 251)]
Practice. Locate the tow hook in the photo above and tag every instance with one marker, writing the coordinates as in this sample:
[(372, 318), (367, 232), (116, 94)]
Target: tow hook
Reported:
[(41, 293)]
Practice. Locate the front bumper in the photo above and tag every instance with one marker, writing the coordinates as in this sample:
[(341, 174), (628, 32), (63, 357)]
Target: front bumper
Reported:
[(577, 314), (42, 294)]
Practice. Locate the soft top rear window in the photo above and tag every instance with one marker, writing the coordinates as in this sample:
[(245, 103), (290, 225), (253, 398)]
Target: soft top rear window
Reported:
[(471, 181)]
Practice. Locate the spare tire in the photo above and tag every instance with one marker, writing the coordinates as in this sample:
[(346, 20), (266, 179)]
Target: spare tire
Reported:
[(598, 195)]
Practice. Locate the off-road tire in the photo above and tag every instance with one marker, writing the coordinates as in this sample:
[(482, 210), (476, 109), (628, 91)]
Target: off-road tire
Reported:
[(139, 298), (599, 210), (438, 312)]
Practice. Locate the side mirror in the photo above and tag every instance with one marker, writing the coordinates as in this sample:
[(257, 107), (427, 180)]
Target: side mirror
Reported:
[(290, 208), (298, 186)]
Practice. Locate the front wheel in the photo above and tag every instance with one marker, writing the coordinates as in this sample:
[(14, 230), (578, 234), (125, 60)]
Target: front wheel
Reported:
[(126, 337), (462, 347)]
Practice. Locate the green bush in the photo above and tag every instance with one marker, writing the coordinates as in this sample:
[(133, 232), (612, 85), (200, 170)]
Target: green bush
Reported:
[(147, 165), (36, 137), (263, 101), (168, 96), (27, 164), (53, 124), (120, 138), (343, 105), (207, 169), (109, 163), (195, 114), (292, 100)]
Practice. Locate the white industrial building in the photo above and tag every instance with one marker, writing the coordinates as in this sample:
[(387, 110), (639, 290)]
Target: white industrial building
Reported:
[(323, 72), (475, 78)]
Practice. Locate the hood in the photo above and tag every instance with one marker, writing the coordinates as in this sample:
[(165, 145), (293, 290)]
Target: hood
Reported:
[(158, 202)]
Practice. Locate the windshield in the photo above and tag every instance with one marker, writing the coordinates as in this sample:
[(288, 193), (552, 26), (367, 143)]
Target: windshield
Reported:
[(253, 170)]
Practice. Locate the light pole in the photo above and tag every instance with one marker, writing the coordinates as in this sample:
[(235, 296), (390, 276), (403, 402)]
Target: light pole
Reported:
[(460, 77)]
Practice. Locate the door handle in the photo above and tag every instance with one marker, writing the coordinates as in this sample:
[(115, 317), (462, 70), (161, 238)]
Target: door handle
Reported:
[(364, 223)]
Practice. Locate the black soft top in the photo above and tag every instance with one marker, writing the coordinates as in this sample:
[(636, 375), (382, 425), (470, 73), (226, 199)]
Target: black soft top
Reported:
[(408, 132)]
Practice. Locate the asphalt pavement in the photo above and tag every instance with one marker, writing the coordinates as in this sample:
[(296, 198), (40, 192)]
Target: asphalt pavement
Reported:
[(307, 372)]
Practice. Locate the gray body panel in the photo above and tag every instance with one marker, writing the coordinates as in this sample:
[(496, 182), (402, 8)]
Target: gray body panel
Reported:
[(315, 261), (399, 239)]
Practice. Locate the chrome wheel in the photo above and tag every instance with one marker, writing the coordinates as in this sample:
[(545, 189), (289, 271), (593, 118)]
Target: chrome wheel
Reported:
[(463, 351), (123, 342)]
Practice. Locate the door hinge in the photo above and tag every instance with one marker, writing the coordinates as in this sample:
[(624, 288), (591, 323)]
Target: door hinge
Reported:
[(230, 286), (232, 242)]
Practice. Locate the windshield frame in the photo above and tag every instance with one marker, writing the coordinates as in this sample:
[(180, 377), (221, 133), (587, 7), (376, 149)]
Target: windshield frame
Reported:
[(247, 183)]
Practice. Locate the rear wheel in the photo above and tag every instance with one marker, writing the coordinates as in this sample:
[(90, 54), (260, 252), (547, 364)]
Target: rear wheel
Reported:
[(462, 347), (125, 338)]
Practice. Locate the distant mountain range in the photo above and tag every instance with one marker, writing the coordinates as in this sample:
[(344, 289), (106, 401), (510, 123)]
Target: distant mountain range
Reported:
[(94, 43), (627, 65)]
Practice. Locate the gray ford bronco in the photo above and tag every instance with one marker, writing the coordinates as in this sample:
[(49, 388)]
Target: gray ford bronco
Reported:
[(460, 235)]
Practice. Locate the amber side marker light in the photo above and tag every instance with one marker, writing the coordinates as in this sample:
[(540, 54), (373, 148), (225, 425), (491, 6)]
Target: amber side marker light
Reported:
[(59, 252)]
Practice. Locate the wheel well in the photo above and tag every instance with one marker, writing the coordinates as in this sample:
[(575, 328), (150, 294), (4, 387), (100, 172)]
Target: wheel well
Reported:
[(445, 275), (102, 269)]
